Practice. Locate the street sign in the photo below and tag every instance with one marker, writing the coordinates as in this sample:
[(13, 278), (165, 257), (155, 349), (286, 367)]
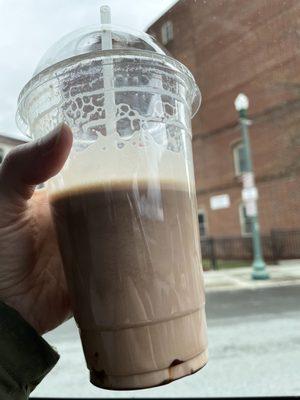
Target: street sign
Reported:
[(249, 193), (248, 179), (251, 208), (219, 202)]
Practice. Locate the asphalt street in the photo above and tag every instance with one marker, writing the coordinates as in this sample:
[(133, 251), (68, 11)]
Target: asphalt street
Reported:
[(254, 345)]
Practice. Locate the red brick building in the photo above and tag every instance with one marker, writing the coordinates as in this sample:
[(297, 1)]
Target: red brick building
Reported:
[(234, 46)]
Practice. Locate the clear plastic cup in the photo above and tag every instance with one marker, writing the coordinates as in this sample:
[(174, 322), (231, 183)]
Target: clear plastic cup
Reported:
[(124, 205)]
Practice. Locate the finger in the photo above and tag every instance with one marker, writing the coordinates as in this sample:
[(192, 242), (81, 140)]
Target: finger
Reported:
[(35, 162)]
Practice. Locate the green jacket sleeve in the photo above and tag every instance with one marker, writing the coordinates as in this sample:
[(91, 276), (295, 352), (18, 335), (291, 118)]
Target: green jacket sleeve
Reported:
[(25, 357)]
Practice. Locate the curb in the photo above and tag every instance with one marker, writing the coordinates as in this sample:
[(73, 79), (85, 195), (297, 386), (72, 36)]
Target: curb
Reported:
[(209, 289), (239, 279)]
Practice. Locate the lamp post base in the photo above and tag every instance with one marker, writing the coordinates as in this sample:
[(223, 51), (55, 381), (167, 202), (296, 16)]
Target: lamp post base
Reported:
[(259, 270)]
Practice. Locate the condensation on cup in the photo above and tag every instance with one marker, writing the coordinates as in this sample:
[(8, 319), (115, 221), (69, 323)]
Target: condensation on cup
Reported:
[(124, 205)]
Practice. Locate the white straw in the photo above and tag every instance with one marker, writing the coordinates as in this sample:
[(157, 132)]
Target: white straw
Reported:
[(108, 73)]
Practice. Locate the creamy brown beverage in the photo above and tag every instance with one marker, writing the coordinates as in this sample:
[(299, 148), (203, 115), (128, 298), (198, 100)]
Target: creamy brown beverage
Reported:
[(131, 257)]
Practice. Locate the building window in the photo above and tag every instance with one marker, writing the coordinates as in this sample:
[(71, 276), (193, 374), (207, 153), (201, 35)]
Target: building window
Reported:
[(202, 223), (245, 221), (1, 155), (239, 159), (167, 32)]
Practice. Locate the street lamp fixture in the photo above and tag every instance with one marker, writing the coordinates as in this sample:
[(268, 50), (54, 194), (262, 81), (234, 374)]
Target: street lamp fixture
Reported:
[(249, 192), (241, 102)]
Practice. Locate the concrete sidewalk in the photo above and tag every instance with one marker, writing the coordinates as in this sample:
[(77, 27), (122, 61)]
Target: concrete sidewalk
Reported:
[(285, 274)]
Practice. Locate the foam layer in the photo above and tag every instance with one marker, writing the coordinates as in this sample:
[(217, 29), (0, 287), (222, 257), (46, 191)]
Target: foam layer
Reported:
[(111, 159)]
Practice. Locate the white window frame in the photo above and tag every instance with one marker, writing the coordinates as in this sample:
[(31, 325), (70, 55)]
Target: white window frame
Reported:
[(167, 33), (242, 221), (2, 154), (202, 211), (236, 160)]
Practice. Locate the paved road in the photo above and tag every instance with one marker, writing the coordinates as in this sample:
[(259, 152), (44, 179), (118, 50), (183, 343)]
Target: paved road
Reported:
[(254, 343)]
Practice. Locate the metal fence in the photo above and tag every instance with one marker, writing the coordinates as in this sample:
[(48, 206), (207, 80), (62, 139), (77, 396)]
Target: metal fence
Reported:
[(276, 246)]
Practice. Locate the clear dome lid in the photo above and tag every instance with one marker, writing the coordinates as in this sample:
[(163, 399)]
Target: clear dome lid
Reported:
[(113, 47), (96, 38)]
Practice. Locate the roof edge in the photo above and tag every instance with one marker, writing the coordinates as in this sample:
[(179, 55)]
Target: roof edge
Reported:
[(162, 14)]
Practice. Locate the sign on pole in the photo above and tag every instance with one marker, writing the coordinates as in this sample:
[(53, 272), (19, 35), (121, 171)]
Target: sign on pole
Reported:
[(251, 208), (249, 193)]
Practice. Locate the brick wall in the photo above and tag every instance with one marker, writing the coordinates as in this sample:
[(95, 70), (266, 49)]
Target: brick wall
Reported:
[(235, 46)]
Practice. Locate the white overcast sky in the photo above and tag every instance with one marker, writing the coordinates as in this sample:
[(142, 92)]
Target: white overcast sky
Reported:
[(29, 27)]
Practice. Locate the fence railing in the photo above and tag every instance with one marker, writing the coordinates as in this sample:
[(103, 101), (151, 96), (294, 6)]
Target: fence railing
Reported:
[(276, 246)]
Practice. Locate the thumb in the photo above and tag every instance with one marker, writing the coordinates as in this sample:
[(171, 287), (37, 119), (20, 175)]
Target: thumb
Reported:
[(35, 162)]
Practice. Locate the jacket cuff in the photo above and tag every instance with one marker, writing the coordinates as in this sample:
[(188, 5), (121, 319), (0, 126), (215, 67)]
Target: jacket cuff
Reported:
[(25, 357)]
